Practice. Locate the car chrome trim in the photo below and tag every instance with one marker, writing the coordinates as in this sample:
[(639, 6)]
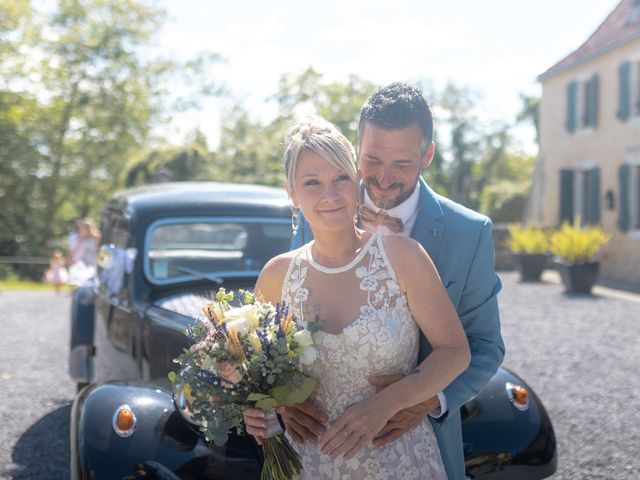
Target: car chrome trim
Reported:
[(181, 404), (80, 363), (233, 274)]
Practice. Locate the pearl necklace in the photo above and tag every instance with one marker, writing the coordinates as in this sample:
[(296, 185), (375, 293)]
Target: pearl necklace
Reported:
[(343, 268)]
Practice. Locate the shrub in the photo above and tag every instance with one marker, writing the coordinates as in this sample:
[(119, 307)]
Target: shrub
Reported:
[(574, 244), (527, 240)]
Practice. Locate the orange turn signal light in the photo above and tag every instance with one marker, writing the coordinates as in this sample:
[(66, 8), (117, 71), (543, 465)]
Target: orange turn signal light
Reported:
[(518, 396), (124, 421)]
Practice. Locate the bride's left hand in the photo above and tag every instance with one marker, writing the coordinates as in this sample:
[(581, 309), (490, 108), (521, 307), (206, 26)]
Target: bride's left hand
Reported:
[(354, 429)]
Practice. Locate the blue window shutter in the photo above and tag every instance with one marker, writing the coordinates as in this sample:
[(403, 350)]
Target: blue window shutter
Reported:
[(572, 91), (585, 98), (566, 196), (623, 185), (624, 90), (593, 101), (593, 196)]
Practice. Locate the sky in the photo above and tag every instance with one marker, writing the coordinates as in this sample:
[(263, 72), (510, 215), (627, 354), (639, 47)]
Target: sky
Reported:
[(495, 47)]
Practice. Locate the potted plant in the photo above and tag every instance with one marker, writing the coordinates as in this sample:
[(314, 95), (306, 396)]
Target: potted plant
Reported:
[(530, 246), (575, 250)]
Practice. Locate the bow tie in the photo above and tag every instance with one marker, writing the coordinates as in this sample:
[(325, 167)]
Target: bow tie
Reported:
[(381, 218)]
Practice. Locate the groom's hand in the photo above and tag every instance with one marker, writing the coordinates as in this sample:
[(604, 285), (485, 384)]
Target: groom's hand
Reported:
[(304, 421), (404, 420)]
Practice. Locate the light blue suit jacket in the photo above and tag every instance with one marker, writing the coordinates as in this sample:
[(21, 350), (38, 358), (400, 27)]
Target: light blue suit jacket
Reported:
[(460, 244)]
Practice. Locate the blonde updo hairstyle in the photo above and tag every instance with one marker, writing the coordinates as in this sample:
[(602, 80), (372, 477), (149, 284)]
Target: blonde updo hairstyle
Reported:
[(317, 135)]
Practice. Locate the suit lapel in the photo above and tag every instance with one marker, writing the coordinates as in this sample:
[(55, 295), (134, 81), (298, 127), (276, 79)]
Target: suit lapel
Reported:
[(428, 229)]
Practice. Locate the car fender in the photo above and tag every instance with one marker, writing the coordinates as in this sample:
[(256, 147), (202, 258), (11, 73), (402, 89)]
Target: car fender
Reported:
[(82, 322), (163, 445), (504, 442)]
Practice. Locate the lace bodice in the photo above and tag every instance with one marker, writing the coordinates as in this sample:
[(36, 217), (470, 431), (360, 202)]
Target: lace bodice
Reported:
[(379, 338)]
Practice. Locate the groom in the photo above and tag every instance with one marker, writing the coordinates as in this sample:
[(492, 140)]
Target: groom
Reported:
[(396, 143)]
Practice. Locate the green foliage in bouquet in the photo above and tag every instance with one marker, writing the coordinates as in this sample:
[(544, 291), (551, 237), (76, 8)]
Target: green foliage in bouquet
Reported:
[(574, 244), (531, 240), (245, 356)]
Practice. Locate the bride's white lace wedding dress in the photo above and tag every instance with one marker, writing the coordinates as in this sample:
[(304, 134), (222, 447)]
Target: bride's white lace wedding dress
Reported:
[(382, 339)]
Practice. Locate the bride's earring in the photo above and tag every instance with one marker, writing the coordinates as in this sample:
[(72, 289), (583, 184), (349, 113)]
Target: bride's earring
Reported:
[(356, 216), (295, 220)]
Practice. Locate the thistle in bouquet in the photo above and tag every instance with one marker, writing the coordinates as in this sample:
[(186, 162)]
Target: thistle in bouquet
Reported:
[(245, 356)]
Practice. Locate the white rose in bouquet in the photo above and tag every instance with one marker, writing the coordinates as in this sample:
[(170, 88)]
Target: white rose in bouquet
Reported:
[(240, 325), (303, 338), (248, 312), (308, 356)]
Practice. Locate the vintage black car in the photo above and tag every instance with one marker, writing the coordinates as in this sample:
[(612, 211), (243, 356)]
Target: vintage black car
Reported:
[(167, 244)]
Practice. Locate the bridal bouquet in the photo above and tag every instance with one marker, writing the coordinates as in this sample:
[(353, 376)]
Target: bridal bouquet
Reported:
[(246, 356)]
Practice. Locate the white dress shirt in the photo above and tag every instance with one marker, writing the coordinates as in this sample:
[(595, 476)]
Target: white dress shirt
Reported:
[(407, 211)]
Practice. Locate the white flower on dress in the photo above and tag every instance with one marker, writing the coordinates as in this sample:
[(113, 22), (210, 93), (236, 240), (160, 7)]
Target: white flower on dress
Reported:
[(377, 263), (362, 272), (367, 312), (394, 288), (368, 283), (302, 294), (379, 297)]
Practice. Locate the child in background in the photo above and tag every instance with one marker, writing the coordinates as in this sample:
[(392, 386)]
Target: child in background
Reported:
[(57, 274)]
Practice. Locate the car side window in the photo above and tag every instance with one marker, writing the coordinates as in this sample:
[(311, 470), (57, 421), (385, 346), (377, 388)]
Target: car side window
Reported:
[(115, 258)]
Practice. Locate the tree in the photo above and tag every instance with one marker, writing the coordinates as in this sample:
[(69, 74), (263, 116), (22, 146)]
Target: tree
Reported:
[(529, 112), (177, 164), (79, 101), (253, 151), (463, 147)]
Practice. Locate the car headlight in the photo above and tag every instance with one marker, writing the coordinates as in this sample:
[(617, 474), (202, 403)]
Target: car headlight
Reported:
[(518, 396), (182, 399)]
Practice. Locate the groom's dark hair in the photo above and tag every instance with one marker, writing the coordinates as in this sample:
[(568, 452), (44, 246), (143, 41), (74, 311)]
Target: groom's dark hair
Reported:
[(398, 105)]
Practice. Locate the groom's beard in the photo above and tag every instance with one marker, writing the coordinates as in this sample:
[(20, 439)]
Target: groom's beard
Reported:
[(388, 202)]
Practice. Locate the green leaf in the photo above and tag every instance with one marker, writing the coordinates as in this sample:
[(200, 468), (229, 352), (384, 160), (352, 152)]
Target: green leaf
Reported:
[(218, 438), (266, 404), (299, 395), (280, 394), (254, 397), (172, 377)]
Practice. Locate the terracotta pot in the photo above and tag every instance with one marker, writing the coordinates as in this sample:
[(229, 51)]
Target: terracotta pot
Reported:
[(531, 265), (578, 277)]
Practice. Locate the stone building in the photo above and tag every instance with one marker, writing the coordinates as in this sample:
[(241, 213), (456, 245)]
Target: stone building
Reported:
[(589, 163)]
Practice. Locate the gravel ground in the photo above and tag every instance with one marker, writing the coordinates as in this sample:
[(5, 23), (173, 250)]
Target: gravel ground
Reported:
[(579, 353), (35, 389)]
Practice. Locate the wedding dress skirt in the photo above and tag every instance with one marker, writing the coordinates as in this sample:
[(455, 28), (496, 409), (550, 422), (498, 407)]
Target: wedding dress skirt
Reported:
[(382, 339)]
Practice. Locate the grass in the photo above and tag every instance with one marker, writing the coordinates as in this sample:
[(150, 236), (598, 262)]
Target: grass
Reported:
[(13, 283)]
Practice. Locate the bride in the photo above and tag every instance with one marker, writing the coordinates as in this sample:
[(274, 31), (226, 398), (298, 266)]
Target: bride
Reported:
[(368, 295)]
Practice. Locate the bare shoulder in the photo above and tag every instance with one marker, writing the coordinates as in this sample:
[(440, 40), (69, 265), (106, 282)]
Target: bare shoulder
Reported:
[(401, 250), (409, 260), (269, 284)]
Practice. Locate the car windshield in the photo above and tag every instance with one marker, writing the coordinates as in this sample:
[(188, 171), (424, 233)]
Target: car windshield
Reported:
[(179, 250)]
